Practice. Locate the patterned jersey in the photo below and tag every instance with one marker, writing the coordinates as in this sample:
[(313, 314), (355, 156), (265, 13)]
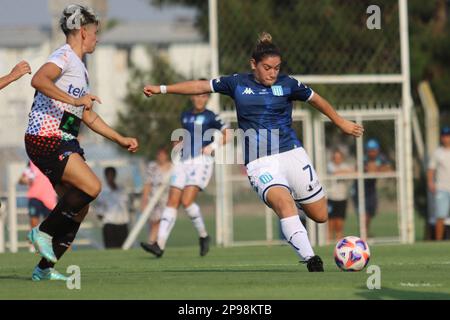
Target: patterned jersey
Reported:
[(155, 177), (51, 118), (264, 113)]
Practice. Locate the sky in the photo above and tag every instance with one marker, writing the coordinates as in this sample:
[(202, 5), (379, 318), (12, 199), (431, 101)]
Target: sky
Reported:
[(35, 12)]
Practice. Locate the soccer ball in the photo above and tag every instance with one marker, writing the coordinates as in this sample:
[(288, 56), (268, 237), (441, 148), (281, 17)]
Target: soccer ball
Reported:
[(351, 254)]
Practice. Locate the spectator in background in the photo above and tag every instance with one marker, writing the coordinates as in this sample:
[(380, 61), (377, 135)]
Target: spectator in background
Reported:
[(439, 181), (41, 195), (112, 209), (338, 193), (16, 73), (156, 171), (374, 161)]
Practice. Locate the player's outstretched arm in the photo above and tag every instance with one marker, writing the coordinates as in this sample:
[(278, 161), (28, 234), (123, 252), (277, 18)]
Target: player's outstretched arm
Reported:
[(96, 124), (16, 73), (348, 127), (44, 82), (187, 87)]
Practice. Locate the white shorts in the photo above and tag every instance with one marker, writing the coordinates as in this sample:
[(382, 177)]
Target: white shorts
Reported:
[(192, 172), (291, 169)]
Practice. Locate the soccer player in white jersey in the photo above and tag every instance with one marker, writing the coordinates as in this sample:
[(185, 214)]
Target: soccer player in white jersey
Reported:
[(16, 73), (191, 174), (281, 172), (62, 101)]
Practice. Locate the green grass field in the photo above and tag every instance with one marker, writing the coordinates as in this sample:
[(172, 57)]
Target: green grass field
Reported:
[(419, 271)]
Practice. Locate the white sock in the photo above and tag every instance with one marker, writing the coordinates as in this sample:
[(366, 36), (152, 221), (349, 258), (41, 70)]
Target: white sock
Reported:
[(195, 214), (296, 235), (168, 218)]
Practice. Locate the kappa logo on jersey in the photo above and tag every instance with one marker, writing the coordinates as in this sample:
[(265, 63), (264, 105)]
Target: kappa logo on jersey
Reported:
[(248, 91), (277, 91)]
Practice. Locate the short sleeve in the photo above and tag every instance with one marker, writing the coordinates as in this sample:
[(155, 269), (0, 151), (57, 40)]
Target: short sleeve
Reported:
[(218, 123), (225, 85), (60, 58), (300, 91)]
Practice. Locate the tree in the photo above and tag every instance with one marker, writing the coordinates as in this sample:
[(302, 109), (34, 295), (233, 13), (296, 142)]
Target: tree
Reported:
[(151, 120)]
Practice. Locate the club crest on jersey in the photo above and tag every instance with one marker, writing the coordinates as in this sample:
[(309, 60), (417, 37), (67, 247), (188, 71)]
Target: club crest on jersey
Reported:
[(248, 91), (199, 120), (277, 91)]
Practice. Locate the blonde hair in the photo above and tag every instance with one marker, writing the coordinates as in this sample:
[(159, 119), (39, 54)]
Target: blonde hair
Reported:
[(75, 16)]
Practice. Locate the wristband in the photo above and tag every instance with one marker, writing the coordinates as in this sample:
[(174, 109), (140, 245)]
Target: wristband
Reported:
[(163, 89)]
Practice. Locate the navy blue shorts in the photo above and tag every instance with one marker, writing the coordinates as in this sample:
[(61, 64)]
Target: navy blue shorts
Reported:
[(36, 208), (50, 155)]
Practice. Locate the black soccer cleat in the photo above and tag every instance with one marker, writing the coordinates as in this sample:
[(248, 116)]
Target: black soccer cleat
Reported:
[(315, 264), (204, 246), (153, 248)]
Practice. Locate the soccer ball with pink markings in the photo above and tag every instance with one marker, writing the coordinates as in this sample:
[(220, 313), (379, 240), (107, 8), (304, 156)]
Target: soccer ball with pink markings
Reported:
[(351, 254)]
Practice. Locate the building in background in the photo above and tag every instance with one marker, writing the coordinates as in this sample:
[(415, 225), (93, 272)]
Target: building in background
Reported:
[(121, 45)]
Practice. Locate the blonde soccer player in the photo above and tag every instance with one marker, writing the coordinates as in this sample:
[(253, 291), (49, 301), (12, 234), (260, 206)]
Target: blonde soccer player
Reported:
[(61, 103)]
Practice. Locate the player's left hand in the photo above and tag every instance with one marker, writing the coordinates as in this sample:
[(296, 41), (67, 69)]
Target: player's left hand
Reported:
[(351, 128), (150, 90), (130, 143)]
